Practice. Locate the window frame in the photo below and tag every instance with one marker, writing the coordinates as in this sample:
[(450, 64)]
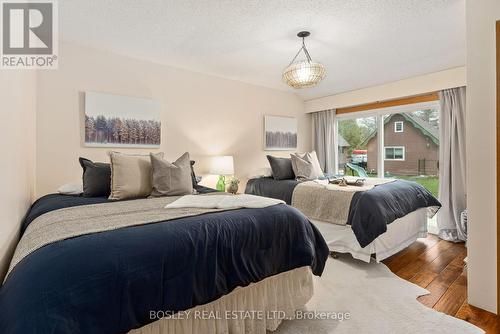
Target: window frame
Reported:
[(396, 126), (394, 148)]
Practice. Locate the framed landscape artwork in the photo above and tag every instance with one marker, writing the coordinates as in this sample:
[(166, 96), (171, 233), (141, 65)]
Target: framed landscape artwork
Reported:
[(280, 133), (121, 121)]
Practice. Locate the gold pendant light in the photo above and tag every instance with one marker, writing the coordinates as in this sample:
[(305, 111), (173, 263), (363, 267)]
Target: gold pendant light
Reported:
[(305, 73)]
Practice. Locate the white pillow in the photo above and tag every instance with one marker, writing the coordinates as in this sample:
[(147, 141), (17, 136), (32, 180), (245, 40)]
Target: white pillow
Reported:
[(71, 189), (261, 172), (316, 165)]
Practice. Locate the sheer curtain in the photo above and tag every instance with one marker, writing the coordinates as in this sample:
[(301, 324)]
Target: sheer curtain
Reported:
[(452, 190), (324, 127)]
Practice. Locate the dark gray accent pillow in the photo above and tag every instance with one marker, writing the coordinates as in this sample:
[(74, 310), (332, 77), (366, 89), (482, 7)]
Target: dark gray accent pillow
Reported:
[(96, 178), (281, 167)]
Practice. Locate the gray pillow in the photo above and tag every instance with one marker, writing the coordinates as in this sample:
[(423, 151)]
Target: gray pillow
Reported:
[(171, 179), (96, 178), (281, 167), (303, 167)]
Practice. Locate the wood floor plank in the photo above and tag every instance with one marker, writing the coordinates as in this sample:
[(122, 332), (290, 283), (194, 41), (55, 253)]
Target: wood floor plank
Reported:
[(454, 297), (409, 254), (487, 321), (444, 259), (439, 267), (423, 278), (439, 285), (412, 268)]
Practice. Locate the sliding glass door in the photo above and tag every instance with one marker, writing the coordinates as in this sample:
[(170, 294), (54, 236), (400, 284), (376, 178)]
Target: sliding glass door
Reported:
[(411, 147), (399, 143), (353, 139)]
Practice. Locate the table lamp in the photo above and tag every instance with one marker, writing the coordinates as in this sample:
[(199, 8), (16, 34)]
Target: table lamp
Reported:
[(222, 166)]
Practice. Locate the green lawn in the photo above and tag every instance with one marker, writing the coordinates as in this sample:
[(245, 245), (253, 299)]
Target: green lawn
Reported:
[(431, 183)]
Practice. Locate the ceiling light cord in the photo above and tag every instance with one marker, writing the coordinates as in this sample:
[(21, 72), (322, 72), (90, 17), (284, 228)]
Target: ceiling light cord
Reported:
[(308, 57)]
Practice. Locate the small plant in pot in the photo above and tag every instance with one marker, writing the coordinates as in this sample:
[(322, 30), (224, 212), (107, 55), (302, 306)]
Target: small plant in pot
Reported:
[(233, 186)]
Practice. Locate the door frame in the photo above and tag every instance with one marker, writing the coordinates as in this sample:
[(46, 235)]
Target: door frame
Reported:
[(498, 158)]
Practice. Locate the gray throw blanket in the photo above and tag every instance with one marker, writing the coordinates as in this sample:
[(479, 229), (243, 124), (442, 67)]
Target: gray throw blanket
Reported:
[(328, 202), (76, 221)]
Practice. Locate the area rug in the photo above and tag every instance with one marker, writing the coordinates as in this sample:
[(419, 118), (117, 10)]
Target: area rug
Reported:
[(370, 299)]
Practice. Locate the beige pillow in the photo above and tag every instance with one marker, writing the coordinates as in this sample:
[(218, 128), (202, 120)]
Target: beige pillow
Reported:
[(311, 158), (171, 179), (315, 162), (130, 175)]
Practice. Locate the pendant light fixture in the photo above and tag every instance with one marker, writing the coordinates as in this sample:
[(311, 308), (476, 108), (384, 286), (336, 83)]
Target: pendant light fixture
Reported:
[(304, 73)]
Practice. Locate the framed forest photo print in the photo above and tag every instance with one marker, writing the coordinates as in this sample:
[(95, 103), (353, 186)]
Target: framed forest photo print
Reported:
[(280, 133), (121, 121)]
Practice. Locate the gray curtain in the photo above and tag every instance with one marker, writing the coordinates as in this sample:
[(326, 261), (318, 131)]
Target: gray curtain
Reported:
[(452, 190), (324, 128)]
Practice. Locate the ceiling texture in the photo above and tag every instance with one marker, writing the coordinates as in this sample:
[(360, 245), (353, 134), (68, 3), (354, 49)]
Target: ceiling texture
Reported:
[(362, 43)]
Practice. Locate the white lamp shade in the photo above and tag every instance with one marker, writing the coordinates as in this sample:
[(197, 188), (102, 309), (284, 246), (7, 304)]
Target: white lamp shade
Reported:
[(222, 165)]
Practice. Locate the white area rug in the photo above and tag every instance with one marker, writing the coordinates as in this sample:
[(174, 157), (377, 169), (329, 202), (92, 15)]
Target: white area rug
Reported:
[(377, 300)]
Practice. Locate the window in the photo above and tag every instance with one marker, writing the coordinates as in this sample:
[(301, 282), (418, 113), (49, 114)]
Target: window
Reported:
[(394, 153), (398, 126)]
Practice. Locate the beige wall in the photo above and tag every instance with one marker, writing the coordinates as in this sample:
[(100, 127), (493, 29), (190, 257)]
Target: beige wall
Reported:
[(481, 157), (17, 148), (201, 114), (454, 77)]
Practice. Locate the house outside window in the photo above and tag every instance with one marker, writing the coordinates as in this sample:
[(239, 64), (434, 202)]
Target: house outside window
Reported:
[(398, 126), (394, 153)]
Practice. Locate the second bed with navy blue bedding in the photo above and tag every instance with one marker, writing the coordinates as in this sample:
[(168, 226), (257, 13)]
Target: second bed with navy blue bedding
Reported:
[(370, 211), (107, 282)]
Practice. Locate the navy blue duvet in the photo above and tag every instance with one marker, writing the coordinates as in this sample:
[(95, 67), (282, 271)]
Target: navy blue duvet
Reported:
[(369, 212), (108, 282)]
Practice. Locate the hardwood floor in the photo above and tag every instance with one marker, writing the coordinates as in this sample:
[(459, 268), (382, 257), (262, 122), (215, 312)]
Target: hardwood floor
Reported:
[(438, 266)]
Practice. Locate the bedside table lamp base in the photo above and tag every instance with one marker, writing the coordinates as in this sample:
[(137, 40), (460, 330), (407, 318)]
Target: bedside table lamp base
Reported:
[(221, 184)]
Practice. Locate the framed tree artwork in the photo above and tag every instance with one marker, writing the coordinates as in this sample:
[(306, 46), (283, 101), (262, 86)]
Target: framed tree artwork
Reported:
[(121, 121), (280, 133)]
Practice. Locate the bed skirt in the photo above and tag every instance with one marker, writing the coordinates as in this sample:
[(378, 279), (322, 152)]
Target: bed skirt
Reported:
[(252, 309)]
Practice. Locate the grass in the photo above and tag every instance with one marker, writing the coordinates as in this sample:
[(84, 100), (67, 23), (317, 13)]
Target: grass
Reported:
[(431, 183)]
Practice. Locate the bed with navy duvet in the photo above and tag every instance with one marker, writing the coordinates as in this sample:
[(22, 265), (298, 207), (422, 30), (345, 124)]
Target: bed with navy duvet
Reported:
[(380, 216), (88, 265)]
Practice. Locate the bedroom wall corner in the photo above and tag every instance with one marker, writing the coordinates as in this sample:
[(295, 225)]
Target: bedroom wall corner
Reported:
[(17, 177), (481, 153)]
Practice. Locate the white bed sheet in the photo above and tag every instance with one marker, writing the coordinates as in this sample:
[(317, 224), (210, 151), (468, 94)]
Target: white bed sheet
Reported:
[(400, 234)]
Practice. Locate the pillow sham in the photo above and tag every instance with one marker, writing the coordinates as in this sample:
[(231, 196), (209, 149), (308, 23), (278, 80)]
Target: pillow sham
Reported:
[(281, 168), (130, 175), (74, 189), (262, 172), (313, 159), (96, 178), (303, 167), (171, 179), (316, 164)]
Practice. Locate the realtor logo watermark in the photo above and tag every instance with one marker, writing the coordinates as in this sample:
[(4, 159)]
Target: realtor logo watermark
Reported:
[(29, 34)]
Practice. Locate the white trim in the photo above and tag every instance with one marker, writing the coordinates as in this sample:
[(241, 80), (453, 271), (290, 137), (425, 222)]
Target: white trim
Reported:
[(394, 147), (396, 126), (380, 146)]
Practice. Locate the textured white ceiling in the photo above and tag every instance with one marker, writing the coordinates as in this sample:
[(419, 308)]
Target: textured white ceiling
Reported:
[(361, 42)]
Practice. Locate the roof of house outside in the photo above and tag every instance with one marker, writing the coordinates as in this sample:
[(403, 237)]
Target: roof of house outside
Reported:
[(425, 127), (343, 142)]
